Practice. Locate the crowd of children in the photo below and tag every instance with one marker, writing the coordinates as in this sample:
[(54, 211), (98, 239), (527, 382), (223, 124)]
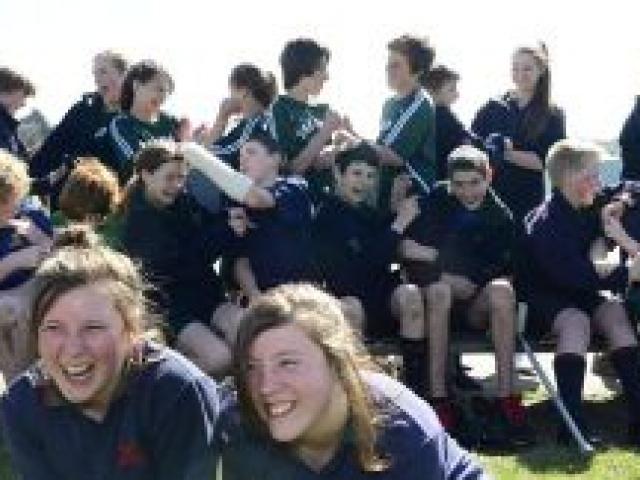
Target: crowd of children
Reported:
[(430, 223)]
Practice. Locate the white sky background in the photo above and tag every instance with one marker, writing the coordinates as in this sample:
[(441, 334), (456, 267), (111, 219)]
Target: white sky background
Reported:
[(595, 50)]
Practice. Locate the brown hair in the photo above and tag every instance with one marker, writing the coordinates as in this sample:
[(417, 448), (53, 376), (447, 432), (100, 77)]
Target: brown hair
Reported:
[(319, 315), (570, 156), (438, 76), (419, 54), (539, 110), (90, 192), (10, 81), (143, 72), (14, 179), (261, 84), (79, 259)]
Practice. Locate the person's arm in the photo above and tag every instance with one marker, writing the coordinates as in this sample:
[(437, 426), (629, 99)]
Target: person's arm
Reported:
[(310, 153), (228, 107), (123, 147), (233, 183), (411, 250), (523, 159), (23, 259), (245, 278)]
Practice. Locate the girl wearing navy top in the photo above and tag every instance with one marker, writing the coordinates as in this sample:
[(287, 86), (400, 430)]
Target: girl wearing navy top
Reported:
[(313, 407), (100, 402), (525, 124)]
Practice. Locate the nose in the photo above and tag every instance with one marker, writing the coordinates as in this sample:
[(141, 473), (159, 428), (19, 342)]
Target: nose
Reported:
[(268, 380), (73, 345)]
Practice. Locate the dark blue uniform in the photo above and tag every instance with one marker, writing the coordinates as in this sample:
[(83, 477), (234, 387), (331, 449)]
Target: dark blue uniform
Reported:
[(279, 246), (178, 246), (630, 144), (160, 425), (410, 437), (450, 133), (11, 241), (475, 244), (354, 248), (520, 188), (557, 271), (81, 132)]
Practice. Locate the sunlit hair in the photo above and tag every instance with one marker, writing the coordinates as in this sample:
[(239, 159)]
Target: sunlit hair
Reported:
[(539, 110), (468, 158), (11, 81), (570, 156), (79, 260), (116, 59), (14, 179), (319, 315), (90, 193)]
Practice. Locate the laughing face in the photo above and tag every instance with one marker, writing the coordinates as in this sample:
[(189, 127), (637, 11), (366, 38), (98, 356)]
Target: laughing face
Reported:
[(292, 387), (165, 183), (83, 344)]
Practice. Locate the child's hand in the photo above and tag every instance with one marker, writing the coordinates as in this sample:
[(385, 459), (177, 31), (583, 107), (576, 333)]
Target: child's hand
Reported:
[(228, 107), (332, 122), (184, 131), (408, 210)]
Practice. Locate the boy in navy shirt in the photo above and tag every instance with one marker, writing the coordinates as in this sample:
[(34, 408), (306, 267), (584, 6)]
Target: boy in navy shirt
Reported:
[(272, 215), (466, 234), (14, 90), (563, 286), (355, 247)]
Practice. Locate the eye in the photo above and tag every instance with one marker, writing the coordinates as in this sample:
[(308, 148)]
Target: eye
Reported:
[(49, 327), (288, 363), (95, 327)]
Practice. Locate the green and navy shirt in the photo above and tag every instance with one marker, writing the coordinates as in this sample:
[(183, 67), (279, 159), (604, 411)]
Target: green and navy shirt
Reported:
[(227, 148), (408, 128), (127, 134), (293, 125)]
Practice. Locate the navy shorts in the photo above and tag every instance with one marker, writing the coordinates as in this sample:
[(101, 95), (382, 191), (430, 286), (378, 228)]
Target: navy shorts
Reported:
[(544, 307)]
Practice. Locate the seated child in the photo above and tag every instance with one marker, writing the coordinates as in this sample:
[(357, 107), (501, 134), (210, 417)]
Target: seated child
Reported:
[(466, 234), (273, 217), (355, 247), (178, 242), (563, 286)]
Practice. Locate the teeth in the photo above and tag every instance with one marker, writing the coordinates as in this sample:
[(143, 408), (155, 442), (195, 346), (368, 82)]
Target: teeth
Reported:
[(77, 370), (280, 409)]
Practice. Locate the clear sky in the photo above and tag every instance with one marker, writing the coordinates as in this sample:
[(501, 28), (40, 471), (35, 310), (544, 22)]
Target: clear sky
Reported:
[(594, 49)]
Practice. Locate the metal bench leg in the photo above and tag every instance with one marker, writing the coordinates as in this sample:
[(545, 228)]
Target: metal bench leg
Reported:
[(583, 444)]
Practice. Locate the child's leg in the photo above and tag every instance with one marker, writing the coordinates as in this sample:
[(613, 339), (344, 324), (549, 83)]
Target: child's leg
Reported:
[(496, 302), (573, 330), (612, 321), (406, 304), (206, 349), (226, 319), (438, 299)]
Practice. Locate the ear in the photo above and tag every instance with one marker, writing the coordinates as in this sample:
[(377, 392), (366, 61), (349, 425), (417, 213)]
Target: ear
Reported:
[(489, 175)]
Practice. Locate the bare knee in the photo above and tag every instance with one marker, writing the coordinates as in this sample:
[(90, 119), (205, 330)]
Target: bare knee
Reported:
[(501, 296), (406, 302), (208, 351), (613, 322), (438, 296)]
